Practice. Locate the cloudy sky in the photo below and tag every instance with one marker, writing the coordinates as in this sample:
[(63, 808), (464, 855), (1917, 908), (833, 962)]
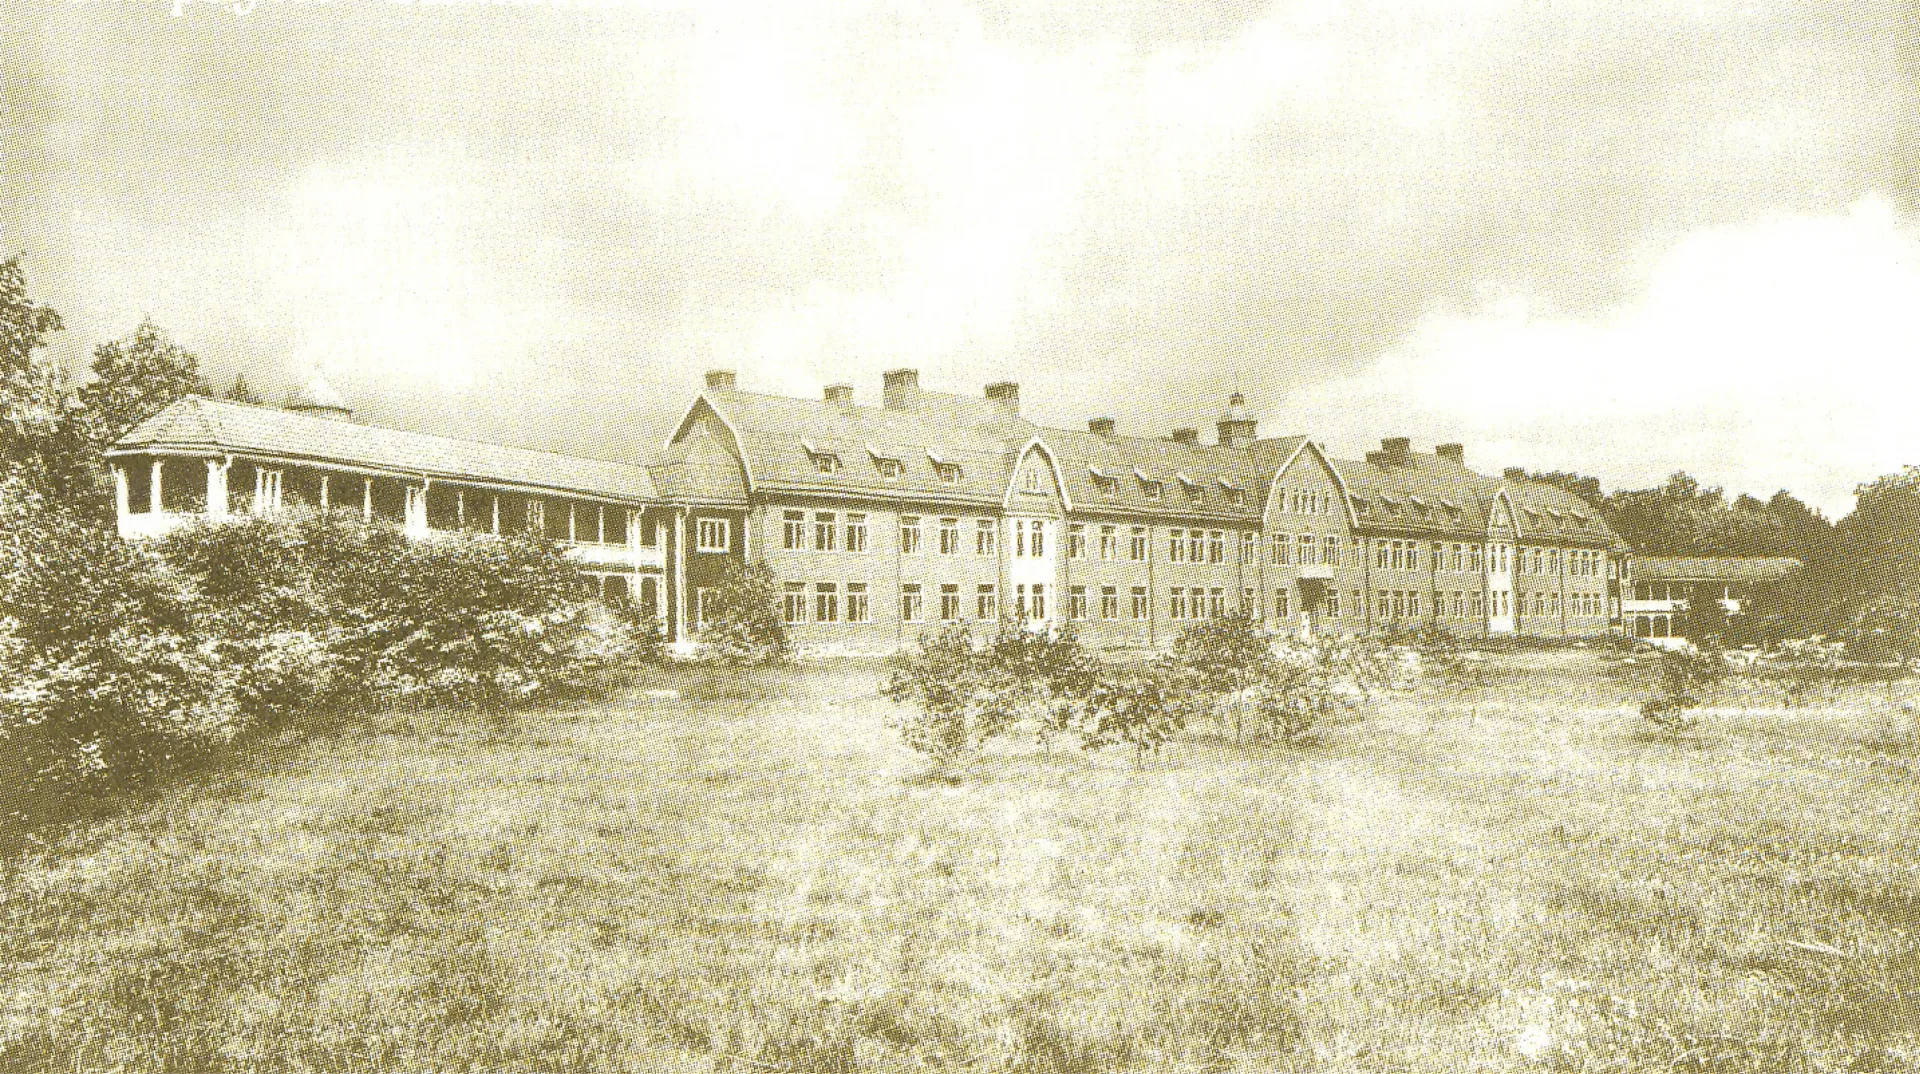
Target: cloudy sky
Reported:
[(1576, 234)]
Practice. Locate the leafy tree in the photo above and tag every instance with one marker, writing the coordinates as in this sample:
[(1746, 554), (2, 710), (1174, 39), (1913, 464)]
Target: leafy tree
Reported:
[(746, 626), (1041, 677), (32, 399), (1305, 682), (1141, 709), (1226, 654), (1706, 620), (135, 378)]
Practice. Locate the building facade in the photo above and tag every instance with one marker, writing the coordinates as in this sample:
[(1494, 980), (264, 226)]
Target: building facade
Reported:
[(1662, 589), (882, 522)]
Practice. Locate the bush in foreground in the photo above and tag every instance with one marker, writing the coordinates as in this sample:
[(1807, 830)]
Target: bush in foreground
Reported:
[(121, 660)]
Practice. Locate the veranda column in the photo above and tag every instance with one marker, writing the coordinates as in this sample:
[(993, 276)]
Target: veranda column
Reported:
[(366, 499), (120, 505), (324, 491), (153, 489), (216, 488), (679, 573)]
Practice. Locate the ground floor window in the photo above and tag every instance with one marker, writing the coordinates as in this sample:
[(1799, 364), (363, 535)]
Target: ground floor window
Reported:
[(1109, 602), (826, 602), (949, 603), (987, 602), (1177, 603), (910, 602), (859, 607), (793, 603), (1077, 602), (1142, 603)]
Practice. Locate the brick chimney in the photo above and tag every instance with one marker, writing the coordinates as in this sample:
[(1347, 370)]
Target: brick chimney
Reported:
[(720, 379), (838, 393), (898, 387), (1006, 393), (1185, 436), (1515, 473), (1398, 450), (1236, 426), (1453, 453), (1100, 426)]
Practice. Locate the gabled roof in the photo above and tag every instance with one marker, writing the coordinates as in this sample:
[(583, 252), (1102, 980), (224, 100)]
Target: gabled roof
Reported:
[(199, 424)]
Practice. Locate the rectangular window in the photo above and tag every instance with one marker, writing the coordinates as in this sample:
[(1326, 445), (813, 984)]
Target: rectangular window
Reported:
[(825, 531), (1033, 479), (1196, 546), (1038, 540), (1380, 552), (827, 464), (1137, 544), (1176, 546), (986, 603), (1282, 604), (1039, 601), (1277, 550), (889, 468), (983, 537), (1248, 600), (1109, 602), (910, 610), (793, 531), (1476, 559), (949, 536), (1303, 550), (856, 532), (1177, 603), (1109, 543), (826, 602), (909, 534), (1141, 605), (1333, 603), (793, 603), (859, 605), (1076, 541), (948, 473), (1384, 604), (1077, 602), (1331, 546), (1399, 603), (713, 534), (1413, 555), (949, 602), (1249, 547), (1413, 605), (537, 518), (1216, 602), (1217, 546)]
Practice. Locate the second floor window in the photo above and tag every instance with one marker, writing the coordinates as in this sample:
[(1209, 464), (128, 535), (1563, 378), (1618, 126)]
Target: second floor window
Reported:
[(984, 530), (793, 531), (1076, 542), (856, 532), (949, 536), (909, 534), (1137, 544), (713, 534), (825, 531), (1109, 543)]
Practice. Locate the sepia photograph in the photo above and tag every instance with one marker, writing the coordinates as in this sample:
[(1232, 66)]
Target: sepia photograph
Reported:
[(993, 536)]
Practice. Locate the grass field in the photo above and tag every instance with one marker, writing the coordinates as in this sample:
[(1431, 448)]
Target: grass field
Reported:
[(758, 877)]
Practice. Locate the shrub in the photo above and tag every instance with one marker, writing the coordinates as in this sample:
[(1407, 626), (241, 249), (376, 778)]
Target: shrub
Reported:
[(1227, 655), (1304, 682), (1685, 674), (122, 660), (942, 679), (746, 626)]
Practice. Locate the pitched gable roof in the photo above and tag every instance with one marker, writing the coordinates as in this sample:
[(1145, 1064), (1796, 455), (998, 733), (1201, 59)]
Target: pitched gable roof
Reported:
[(197, 423)]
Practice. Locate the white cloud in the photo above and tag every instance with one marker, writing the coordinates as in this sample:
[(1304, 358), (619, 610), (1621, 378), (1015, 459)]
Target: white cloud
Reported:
[(1784, 352)]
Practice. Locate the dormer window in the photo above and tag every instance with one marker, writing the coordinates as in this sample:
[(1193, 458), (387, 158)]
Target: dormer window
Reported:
[(1104, 483), (1150, 489), (1237, 497), (947, 472), (825, 462), (889, 468)]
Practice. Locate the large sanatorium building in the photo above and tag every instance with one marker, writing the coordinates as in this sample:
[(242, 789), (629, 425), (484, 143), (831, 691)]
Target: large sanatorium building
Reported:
[(880, 522)]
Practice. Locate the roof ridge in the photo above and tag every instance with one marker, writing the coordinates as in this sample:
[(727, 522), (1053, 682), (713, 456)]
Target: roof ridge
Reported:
[(291, 416)]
